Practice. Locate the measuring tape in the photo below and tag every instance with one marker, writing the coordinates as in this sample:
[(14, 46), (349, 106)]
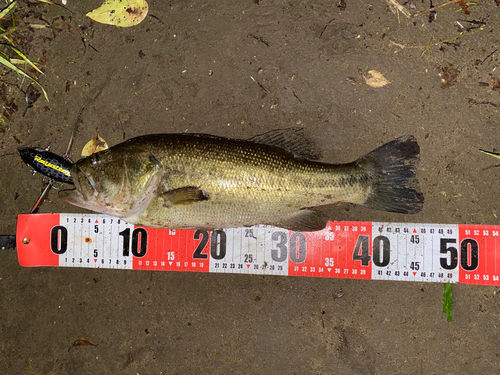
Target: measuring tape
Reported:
[(447, 253)]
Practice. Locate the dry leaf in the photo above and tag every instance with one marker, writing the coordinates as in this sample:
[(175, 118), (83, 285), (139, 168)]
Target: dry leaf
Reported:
[(94, 145), (121, 13), (495, 84), (376, 79), (82, 342), (449, 76), (338, 294), (465, 7)]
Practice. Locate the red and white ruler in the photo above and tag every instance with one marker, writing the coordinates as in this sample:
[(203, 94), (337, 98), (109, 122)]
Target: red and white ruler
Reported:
[(449, 253)]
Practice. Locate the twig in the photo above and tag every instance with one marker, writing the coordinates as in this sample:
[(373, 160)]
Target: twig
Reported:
[(460, 35), (488, 56), (434, 8), (324, 28), (75, 127), (260, 39), (399, 7), (260, 85)]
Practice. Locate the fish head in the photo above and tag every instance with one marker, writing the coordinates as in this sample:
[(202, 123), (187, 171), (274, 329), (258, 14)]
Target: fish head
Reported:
[(116, 183)]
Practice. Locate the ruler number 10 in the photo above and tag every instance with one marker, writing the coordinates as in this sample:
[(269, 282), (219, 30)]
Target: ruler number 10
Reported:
[(139, 242)]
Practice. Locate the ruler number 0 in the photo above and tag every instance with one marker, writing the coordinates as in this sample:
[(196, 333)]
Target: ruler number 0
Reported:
[(58, 239)]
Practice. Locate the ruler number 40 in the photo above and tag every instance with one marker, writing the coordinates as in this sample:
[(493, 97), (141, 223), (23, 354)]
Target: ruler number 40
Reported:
[(381, 251), (469, 252)]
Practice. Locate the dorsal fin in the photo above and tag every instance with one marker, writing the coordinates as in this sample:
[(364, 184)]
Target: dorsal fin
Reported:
[(294, 140)]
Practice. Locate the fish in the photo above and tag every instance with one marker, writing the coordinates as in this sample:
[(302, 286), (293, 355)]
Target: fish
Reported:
[(202, 181)]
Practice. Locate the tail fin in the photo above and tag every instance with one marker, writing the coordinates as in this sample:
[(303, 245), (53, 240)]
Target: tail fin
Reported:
[(392, 168)]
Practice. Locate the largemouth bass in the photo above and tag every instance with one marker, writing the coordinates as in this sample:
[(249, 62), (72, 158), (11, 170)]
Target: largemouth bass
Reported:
[(206, 182)]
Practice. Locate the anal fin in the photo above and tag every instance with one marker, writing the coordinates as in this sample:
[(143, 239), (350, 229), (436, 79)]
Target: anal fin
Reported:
[(304, 221)]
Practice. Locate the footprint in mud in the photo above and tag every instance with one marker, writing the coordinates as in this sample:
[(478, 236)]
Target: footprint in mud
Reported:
[(355, 351), (337, 37)]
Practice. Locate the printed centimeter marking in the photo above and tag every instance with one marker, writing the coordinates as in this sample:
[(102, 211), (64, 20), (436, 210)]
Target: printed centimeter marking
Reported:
[(355, 250)]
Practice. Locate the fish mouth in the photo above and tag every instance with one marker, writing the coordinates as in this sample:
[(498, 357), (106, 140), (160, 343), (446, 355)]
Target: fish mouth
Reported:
[(72, 196)]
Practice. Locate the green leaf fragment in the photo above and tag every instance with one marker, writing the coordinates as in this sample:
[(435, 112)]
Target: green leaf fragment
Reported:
[(7, 9), (490, 153), (8, 64), (448, 301)]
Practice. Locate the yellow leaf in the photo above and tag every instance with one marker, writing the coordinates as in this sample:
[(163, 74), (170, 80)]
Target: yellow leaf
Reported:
[(376, 79), (123, 13), (94, 145)]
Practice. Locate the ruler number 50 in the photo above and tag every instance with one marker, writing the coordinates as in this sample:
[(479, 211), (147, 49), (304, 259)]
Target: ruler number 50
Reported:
[(469, 254)]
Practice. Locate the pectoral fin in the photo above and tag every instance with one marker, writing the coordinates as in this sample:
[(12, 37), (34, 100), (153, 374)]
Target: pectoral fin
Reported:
[(184, 195)]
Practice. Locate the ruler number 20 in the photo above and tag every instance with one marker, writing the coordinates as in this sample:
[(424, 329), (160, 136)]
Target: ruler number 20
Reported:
[(295, 247), (217, 244)]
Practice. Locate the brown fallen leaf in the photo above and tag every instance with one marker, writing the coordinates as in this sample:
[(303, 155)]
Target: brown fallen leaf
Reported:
[(96, 144), (495, 84), (82, 342), (376, 79), (463, 4), (338, 294), (449, 76)]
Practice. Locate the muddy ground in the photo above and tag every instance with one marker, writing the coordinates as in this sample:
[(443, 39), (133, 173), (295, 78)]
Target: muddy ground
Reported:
[(187, 68)]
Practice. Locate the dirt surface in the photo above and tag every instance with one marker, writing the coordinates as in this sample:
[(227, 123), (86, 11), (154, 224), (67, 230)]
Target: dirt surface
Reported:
[(188, 68)]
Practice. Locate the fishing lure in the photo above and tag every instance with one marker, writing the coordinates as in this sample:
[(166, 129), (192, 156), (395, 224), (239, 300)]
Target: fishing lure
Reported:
[(47, 163)]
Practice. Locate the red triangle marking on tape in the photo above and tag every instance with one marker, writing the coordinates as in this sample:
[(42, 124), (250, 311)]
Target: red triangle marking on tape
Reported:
[(414, 274), (248, 265), (97, 221), (95, 260), (414, 231)]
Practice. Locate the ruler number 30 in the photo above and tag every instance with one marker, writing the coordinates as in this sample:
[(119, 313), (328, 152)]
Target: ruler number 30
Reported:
[(283, 247)]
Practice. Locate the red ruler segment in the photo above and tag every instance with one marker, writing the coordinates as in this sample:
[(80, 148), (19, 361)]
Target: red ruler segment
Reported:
[(452, 253)]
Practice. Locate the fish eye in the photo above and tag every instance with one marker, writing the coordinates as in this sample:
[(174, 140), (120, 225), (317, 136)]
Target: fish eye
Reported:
[(95, 159)]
